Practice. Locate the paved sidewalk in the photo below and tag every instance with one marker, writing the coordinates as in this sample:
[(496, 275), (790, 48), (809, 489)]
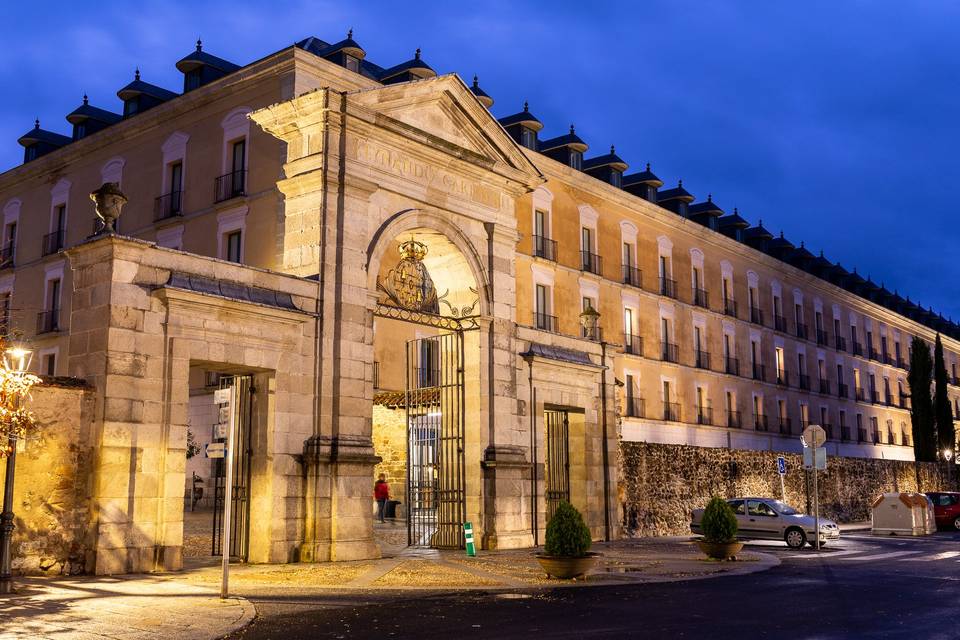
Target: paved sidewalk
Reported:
[(851, 527)]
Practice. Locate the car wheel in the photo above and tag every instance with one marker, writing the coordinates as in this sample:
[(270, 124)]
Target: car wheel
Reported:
[(956, 523), (795, 538)]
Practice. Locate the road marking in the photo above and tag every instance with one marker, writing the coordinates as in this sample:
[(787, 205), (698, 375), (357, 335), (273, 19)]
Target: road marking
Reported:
[(939, 556), (830, 554), (885, 556)]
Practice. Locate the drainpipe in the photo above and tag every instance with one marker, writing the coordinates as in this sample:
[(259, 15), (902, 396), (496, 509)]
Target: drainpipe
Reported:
[(533, 455), (606, 453)]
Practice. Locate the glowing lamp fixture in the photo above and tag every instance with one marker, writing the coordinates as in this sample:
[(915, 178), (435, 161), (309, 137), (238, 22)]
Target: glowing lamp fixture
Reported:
[(17, 359), (948, 454)]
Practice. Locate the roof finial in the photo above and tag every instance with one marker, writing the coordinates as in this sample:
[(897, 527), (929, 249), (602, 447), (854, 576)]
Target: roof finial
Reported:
[(350, 34), (416, 54), (36, 123), (854, 269), (476, 82), (760, 222), (526, 106), (781, 234), (801, 244), (612, 150), (648, 166), (680, 183), (571, 129), (821, 253), (199, 44), (136, 73), (709, 197), (85, 99), (736, 211)]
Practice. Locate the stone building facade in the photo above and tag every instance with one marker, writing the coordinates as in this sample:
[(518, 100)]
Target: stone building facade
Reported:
[(368, 247)]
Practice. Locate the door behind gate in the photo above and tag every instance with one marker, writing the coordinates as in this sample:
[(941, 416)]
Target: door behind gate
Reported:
[(240, 504), (436, 475), (558, 458)]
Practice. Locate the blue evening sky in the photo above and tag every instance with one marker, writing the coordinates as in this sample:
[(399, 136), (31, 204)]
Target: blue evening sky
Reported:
[(836, 122)]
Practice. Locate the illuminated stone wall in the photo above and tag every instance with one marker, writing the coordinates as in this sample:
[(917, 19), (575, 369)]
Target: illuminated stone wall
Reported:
[(661, 484), (390, 443)]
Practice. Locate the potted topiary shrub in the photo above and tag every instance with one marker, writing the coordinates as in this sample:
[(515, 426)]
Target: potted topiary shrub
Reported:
[(566, 553), (719, 527)]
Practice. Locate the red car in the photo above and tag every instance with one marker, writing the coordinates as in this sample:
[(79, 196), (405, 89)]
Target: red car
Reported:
[(946, 508)]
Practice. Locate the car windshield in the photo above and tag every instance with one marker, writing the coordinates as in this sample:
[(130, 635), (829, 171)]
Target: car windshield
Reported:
[(784, 509)]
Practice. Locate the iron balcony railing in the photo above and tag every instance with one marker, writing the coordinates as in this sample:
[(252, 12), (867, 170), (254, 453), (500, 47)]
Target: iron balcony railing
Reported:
[(545, 322), (545, 248), (874, 396), (783, 378), (876, 437), (231, 185), (872, 353), (592, 333), (955, 381), (671, 411), (823, 338), (701, 298), (635, 407), (888, 399), (756, 315), (861, 435), (905, 439), (760, 423), (632, 276), (48, 321), (891, 437), (669, 352), (730, 308), (824, 386), (668, 287), (6, 256), (786, 426), (903, 402), (859, 394), (840, 343), (702, 359), (733, 419), (53, 242), (802, 331), (887, 359), (759, 371), (843, 391), (845, 433), (804, 381), (168, 206), (779, 323), (857, 349), (591, 262), (828, 428), (899, 363), (633, 344), (732, 366), (705, 415)]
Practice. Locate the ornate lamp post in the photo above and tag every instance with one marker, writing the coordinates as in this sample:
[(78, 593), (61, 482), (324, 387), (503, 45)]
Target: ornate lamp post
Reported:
[(15, 384), (948, 456), (589, 319)]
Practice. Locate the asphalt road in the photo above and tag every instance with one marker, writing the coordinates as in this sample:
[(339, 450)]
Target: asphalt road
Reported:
[(861, 587)]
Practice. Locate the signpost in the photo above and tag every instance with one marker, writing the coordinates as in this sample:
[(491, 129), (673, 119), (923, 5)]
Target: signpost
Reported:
[(815, 457), (214, 450), (782, 470), (226, 397), (468, 538)]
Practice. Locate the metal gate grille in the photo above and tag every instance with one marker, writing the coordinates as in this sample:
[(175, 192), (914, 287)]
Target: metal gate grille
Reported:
[(240, 505), (436, 475), (558, 459)]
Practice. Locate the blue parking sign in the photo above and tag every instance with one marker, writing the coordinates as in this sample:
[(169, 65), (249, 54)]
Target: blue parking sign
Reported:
[(781, 465)]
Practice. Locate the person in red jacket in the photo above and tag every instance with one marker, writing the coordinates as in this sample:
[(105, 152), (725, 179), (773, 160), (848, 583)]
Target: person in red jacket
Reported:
[(381, 492)]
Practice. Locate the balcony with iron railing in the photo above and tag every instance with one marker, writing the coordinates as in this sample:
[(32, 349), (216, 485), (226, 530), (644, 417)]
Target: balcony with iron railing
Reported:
[(705, 414), (888, 359), (783, 377), (859, 394), (872, 353), (48, 321), (874, 396), (756, 315), (632, 276), (876, 437), (545, 248), (701, 359), (230, 185), (732, 366), (668, 287), (53, 242), (545, 322), (891, 437), (840, 343), (804, 382), (6, 257), (669, 352), (701, 298), (759, 372), (905, 439), (857, 349), (843, 390), (168, 206), (671, 411), (733, 419), (845, 433), (591, 262), (861, 435), (828, 429), (888, 399), (730, 308), (632, 344), (824, 386), (802, 330), (899, 363), (760, 423), (903, 401), (635, 407), (823, 338), (785, 424), (780, 323)]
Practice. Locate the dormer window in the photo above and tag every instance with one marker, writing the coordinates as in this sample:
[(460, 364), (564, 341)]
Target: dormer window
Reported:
[(616, 178), (79, 131), (191, 79), (576, 160), (528, 138), (131, 106), (30, 153), (352, 63)]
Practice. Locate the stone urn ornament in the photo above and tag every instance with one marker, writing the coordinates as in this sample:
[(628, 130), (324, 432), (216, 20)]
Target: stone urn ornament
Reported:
[(108, 200)]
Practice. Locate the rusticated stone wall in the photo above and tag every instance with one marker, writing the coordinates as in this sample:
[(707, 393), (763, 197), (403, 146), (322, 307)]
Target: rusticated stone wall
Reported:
[(52, 488), (661, 484)]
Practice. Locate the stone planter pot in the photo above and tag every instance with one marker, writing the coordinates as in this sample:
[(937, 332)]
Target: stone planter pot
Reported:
[(566, 567), (720, 550)]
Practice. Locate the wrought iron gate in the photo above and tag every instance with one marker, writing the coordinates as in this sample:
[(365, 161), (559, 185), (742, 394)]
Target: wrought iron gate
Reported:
[(436, 474), (558, 458), (240, 504)]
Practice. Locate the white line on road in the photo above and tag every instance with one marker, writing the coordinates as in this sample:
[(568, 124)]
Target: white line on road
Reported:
[(939, 556), (830, 554), (885, 556)]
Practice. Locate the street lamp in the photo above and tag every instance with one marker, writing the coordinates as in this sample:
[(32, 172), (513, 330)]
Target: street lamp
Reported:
[(15, 384), (589, 319), (948, 456)]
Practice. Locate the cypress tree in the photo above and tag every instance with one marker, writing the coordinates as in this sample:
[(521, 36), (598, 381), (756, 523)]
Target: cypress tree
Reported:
[(941, 401), (920, 379)]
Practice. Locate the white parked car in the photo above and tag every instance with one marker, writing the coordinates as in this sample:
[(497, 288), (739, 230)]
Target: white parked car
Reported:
[(769, 519)]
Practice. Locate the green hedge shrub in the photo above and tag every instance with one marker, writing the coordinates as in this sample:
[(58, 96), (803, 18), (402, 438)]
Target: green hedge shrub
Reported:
[(567, 533), (719, 522)]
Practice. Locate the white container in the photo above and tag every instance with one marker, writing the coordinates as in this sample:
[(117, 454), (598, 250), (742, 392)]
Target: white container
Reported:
[(903, 514)]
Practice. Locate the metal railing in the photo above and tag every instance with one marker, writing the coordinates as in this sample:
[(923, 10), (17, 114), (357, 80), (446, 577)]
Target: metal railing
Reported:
[(780, 323), (843, 391), (828, 428), (760, 423), (669, 352), (732, 366), (756, 315), (783, 377), (632, 344), (705, 415), (823, 338), (859, 394), (635, 407), (786, 426), (730, 307), (701, 359), (804, 381), (840, 343), (905, 439), (802, 330), (671, 411), (545, 322), (6, 256), (857, 349), (168, 205), (888, 399), (545, 248), (53, 242), (230, 185), (845, 433), (632, 276), (591, 262), (759, 371), (48, 321), (668, 287), (824, 386), (861, 435), (733, 419), (701, 298), (872, 353)]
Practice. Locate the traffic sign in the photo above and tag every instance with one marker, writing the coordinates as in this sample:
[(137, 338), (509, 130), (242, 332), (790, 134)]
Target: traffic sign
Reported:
[(222, 396), (813, 436), (781, 465), (821, 458), (215, 450)]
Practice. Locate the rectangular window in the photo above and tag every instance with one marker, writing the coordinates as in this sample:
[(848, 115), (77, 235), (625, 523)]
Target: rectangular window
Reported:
[(586, 239), (664, 267), (352, 63), (239, 159), (176, 177), (10, 241), (49, 365), (778, 354), (666, 391), (540, 224), (665, 329), (234, 246), (627, 254), (804, 414), (823, 417), (543, 300), (53, 295), (628, 322)]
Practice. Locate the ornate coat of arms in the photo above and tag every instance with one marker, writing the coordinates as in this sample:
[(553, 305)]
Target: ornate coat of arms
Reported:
[(409, 285)]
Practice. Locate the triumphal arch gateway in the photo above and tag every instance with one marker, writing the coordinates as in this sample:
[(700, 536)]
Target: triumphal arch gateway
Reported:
[(386, 341)]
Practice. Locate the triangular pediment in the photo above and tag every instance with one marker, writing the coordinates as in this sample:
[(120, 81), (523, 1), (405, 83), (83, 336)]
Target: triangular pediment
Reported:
[(445, 109)]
